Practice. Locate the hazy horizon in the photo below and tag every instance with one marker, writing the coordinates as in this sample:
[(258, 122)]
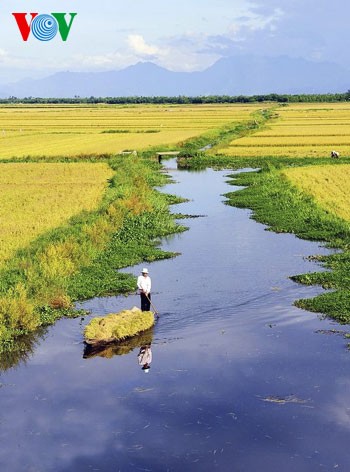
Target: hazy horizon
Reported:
[(186, 36)]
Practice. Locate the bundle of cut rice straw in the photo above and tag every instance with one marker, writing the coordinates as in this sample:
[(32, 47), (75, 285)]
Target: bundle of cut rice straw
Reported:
[(118, 326)]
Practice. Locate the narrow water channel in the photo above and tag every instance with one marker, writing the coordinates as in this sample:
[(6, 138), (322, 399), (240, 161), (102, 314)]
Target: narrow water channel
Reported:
[(240, 379)]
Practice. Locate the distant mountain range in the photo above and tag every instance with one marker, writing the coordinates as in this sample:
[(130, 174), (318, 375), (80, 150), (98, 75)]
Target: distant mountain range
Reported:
[(240, 75)]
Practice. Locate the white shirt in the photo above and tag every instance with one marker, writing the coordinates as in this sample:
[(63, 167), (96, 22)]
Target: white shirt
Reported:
[(144, 284)]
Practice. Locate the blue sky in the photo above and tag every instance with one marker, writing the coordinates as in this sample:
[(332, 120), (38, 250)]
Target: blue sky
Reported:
[(184, 35)]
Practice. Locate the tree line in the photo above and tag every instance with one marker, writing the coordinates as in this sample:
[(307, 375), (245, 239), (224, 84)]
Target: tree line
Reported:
[(180, 100)]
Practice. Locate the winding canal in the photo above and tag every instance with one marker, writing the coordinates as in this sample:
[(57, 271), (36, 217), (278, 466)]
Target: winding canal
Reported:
[(240, 380)]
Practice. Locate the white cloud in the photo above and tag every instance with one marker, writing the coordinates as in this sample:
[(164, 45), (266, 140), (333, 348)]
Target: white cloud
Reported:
[(139, 46), (338, 410), (183, 53)]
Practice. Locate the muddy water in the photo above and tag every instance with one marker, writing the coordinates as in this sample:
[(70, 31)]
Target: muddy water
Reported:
[(240, 379)]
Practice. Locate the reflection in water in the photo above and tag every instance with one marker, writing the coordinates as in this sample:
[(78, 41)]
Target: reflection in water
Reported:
[(145, 357), (119, 349), (23, 350)]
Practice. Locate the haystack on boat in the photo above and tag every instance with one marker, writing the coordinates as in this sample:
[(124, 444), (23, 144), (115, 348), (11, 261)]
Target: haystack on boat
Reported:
[(117, 326)]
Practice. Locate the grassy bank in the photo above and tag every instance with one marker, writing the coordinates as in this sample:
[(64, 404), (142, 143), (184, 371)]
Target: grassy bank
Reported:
[(80, 260), (278, 204), (191, 154)]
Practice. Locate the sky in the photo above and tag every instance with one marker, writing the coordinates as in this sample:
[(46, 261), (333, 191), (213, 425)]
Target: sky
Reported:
[(185, 35)]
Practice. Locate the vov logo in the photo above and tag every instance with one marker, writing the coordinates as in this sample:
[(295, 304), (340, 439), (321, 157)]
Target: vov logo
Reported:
[(44, 27)]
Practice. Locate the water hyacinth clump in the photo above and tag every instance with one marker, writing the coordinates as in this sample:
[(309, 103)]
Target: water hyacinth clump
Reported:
[(118, 326)]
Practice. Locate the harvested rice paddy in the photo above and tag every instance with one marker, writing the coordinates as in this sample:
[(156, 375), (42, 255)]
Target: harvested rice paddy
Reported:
[(65, 130)]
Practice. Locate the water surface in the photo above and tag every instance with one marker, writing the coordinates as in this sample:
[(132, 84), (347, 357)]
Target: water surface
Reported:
[(241, 380)]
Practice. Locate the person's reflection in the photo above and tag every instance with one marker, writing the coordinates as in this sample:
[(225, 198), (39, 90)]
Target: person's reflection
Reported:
[(145, 357)]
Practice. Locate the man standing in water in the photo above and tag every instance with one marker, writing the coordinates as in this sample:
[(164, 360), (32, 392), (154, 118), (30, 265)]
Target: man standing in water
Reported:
[(144, 286)]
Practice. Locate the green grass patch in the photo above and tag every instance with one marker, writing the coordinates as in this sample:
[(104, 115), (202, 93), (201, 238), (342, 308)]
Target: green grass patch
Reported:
[(194, 148), (278, 204)]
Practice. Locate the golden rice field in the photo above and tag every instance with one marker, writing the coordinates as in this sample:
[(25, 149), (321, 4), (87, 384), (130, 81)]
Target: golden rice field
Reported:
[(36, 197), (328, 184), (65, 130), (300, 130)]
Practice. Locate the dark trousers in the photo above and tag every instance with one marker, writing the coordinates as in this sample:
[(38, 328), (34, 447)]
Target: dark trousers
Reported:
[(145, 304)]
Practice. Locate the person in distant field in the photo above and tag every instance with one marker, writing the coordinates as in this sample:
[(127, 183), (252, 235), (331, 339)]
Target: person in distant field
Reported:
[(145, 357), (144, 286)]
